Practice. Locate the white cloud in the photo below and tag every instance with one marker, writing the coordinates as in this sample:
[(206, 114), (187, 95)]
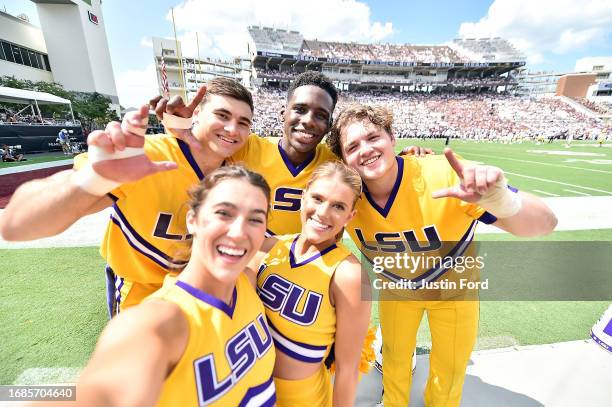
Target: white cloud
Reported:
[(222, 25), (538, 27), (146, 42), (136, 87), (586, 64)]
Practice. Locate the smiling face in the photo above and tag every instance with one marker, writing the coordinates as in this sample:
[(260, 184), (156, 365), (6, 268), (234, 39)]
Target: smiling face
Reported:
[(368, 149), (327, 206), (307, 118), (224, 124), (228, 228)]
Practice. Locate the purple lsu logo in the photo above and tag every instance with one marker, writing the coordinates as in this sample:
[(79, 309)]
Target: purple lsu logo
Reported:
[(281, 295), (242, 352)]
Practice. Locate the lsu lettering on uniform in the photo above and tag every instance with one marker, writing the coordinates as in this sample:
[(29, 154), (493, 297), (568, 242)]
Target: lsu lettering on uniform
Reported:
[(287, 182), (301, 317), (147, 230), (229, 357), (413, 222)]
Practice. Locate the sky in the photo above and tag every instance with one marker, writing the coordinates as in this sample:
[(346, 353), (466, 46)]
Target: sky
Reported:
[(553, 34)]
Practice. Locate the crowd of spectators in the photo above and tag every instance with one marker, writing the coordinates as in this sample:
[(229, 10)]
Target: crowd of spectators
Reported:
[(484, 116), (382, 52), (7, 116), (272, 73), (601, 108)]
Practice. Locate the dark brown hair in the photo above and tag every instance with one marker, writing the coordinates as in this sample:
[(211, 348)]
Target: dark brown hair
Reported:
[(199, 192), (379, 116), (230, 88)]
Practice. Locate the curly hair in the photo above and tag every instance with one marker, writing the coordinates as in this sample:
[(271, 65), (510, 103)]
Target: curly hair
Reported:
[(379, 116)]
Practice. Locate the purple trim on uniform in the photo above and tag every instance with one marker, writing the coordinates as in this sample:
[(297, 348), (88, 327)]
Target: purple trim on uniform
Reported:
[(150, 257), (487, 218), (189, 157), (262, 267), (311, 258), (451, 253), (385, 211), (295, 355), (113, 197), (511, 188), (209, 299), (294, 170), (270, 233), (142, 241), (600, 342), (256, 391), (302, 344)]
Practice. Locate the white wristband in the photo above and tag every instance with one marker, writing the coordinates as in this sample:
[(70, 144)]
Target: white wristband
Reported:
[(171, 121), (500, 201), (93, 183), (96, 153)]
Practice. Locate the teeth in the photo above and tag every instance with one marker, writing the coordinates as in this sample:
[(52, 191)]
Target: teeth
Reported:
[(227, 140), (306, 135), (371, 160), (318, 224), (231, 251)]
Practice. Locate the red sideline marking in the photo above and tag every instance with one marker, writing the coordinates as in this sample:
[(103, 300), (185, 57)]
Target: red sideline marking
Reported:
[(10, 182)]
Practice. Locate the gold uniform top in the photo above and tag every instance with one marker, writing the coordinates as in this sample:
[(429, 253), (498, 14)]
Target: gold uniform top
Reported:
[(229, 357), (414, 223), (147, 234), (295, 294), (287, 182)]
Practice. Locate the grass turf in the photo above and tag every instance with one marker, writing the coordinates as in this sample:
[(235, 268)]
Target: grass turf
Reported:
[(36, 159), (52, 308), (544, 170)]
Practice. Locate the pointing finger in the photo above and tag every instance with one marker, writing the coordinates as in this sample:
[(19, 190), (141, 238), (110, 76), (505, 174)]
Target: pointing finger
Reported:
[(197, 99), (454, 161)]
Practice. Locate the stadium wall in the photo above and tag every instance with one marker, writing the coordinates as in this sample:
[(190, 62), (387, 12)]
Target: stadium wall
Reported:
[(575, 85), (34, 139)]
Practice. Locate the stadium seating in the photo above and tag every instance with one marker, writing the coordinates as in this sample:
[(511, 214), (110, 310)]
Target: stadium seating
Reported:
[(484, 116)]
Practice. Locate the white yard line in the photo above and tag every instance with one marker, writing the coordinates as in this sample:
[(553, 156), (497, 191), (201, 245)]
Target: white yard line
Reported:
[(537, 162), (559, 182), (33, 167), (576, 192), (545, 193), (573, 213)]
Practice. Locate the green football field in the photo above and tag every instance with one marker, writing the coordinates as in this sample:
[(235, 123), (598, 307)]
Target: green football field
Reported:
[(546, 170), (52, 301)]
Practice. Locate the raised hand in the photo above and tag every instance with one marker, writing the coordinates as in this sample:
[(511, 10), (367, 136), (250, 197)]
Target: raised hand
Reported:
[(176, 107), (416, 151), (116, 153), (475, 180)]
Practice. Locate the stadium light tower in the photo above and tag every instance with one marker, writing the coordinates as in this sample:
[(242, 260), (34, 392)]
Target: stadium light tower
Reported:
[(76, 42)]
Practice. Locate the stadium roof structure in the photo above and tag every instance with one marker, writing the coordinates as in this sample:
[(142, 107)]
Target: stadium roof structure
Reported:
[(12, 95)]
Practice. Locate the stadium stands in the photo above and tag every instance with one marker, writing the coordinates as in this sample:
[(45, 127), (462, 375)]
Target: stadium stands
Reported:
[(601, 108), (381, 52), (487, 49), (485, 116), (276, 40)]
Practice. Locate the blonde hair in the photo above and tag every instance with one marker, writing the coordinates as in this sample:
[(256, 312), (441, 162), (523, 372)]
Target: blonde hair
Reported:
[(339, 170)]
